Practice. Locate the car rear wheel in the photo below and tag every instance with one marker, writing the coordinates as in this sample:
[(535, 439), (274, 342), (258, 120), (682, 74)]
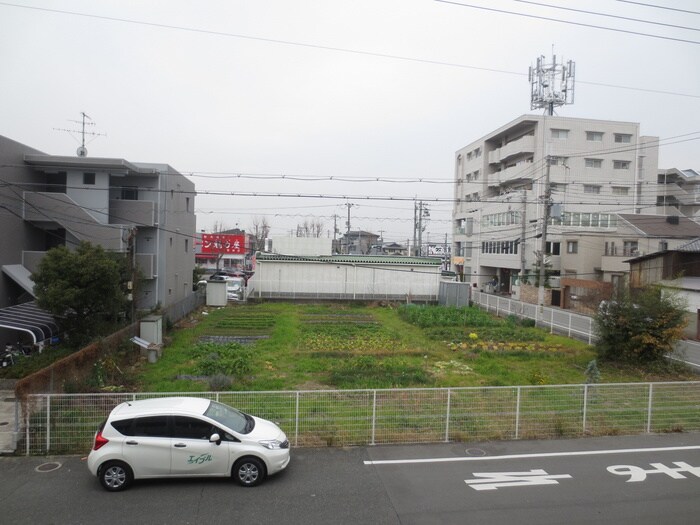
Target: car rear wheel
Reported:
[(115, 476), (249, 471)]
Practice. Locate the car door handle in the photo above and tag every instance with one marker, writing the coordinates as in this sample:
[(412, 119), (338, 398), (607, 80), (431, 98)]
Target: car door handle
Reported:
[(180, 445), (132, 442)]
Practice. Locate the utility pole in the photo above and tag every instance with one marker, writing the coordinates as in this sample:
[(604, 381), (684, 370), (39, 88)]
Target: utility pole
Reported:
[(545, 220), (347, 240), (415, 226), (523, 233)]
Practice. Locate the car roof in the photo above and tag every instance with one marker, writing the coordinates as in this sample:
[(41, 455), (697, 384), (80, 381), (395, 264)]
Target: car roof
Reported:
[(161, 405)]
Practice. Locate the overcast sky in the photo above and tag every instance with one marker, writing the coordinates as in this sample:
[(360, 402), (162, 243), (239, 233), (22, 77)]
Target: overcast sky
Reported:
[(350, 89)]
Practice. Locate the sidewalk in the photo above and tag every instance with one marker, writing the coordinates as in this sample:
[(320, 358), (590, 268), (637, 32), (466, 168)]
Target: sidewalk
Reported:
[(8, 439)]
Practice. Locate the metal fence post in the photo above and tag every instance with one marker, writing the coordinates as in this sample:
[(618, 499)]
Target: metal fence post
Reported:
[(374, 415), (296, 421), (585, 406), (48, 422), (651, 397), (447, 416), (517, 415), (26, 426)]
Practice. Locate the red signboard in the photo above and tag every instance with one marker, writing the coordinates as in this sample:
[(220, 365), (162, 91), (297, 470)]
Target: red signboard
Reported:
[(223, 243)]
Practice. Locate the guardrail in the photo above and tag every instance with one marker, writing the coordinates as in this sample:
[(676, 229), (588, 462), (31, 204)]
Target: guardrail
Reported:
[(558, 321), (66, 423)]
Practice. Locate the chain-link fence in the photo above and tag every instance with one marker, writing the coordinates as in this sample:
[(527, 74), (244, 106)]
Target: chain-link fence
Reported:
[(66, 423)]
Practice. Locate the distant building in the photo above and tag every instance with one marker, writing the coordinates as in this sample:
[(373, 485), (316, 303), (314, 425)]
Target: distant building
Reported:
[(596, 169), (676, 269), (357, 242)]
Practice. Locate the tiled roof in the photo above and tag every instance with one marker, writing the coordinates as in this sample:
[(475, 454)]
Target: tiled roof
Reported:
[(659, 226)]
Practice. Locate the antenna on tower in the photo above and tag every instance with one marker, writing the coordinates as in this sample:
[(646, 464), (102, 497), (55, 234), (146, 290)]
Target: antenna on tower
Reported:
[(551, 83), (82, 150)]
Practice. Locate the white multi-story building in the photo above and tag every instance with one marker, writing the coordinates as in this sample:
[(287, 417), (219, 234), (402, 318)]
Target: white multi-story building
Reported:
[(592, 169)]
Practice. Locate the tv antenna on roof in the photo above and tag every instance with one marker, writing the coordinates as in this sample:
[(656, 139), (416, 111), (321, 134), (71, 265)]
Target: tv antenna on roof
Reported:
[(551, 84), (82, 150)]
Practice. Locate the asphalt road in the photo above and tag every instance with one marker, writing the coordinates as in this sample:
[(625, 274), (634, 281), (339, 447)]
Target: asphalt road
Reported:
[(640, 480)]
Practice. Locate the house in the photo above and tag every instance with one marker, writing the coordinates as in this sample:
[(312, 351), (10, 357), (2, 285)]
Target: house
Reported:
[(358, 242), (677, 270), (578, 172), (143, 209), (602, 256)]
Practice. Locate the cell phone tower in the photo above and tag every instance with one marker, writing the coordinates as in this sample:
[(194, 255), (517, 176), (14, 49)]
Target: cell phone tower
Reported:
[(551, 84)]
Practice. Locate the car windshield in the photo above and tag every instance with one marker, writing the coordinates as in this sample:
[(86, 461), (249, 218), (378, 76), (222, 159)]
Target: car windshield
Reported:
[(230, 417)]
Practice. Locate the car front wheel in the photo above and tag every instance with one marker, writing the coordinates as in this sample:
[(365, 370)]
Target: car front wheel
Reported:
[(249, 471), (115, 476)]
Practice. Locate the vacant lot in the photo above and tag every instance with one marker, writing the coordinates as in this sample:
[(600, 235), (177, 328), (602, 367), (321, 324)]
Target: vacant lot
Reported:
[(282, 346)]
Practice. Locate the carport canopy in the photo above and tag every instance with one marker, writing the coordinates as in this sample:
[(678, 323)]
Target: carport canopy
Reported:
[(29, 318)]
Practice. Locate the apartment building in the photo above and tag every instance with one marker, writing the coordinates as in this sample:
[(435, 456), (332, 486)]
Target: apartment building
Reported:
[(143, 209), (588, 170)]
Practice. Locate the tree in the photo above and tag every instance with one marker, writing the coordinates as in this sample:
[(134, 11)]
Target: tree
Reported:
[(85, 288), (312, 228), (640, 329), (260, 230)]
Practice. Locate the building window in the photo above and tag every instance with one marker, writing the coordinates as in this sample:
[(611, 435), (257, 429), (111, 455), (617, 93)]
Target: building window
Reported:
[(89, 179), (558, 161), (631, 248), (560, 133), (594, 163), (187, 204), (476, 175), (620, 190), (187, 245), (590, 188), (571, 246), (594, 136), (663, 246), (171, 242), (621, 164), (477, 152), (622, 138), (130, 193), (553, 248)]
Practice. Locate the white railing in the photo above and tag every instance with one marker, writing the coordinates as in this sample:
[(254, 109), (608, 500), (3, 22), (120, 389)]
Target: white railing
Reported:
[(556, 320)]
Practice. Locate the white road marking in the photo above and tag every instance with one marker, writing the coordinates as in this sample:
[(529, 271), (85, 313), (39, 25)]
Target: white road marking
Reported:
[(496, 480), (637, 474), (527, 456)]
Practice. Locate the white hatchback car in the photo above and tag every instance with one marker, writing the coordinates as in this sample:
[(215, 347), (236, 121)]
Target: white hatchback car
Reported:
[(182, 437)]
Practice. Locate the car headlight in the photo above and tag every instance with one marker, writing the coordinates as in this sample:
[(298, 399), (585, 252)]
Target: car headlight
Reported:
[(272, 444)]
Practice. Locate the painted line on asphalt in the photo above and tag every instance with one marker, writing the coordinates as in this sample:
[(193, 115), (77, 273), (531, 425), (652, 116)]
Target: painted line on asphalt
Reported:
[(527, 456)]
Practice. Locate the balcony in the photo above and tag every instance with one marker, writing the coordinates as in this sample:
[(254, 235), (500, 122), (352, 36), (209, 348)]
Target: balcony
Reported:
[(49, 209), (521, 146), (520, 171), (140, 213)]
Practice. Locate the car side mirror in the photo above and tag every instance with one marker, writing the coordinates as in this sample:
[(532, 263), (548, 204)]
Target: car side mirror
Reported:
[(215, 438)]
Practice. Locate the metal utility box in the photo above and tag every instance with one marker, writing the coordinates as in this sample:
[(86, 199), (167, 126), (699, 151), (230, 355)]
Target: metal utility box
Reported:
[(152, 329), (216, 293)]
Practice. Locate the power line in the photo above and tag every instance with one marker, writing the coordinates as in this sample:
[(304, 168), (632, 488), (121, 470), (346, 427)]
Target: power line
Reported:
[(332, 48), (660, 7), (581, 24), (606, 15)]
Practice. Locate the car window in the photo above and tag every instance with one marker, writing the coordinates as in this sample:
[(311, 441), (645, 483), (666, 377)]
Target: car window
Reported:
[(230, 417), (155, 426), (192, 428), (124, 426)]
